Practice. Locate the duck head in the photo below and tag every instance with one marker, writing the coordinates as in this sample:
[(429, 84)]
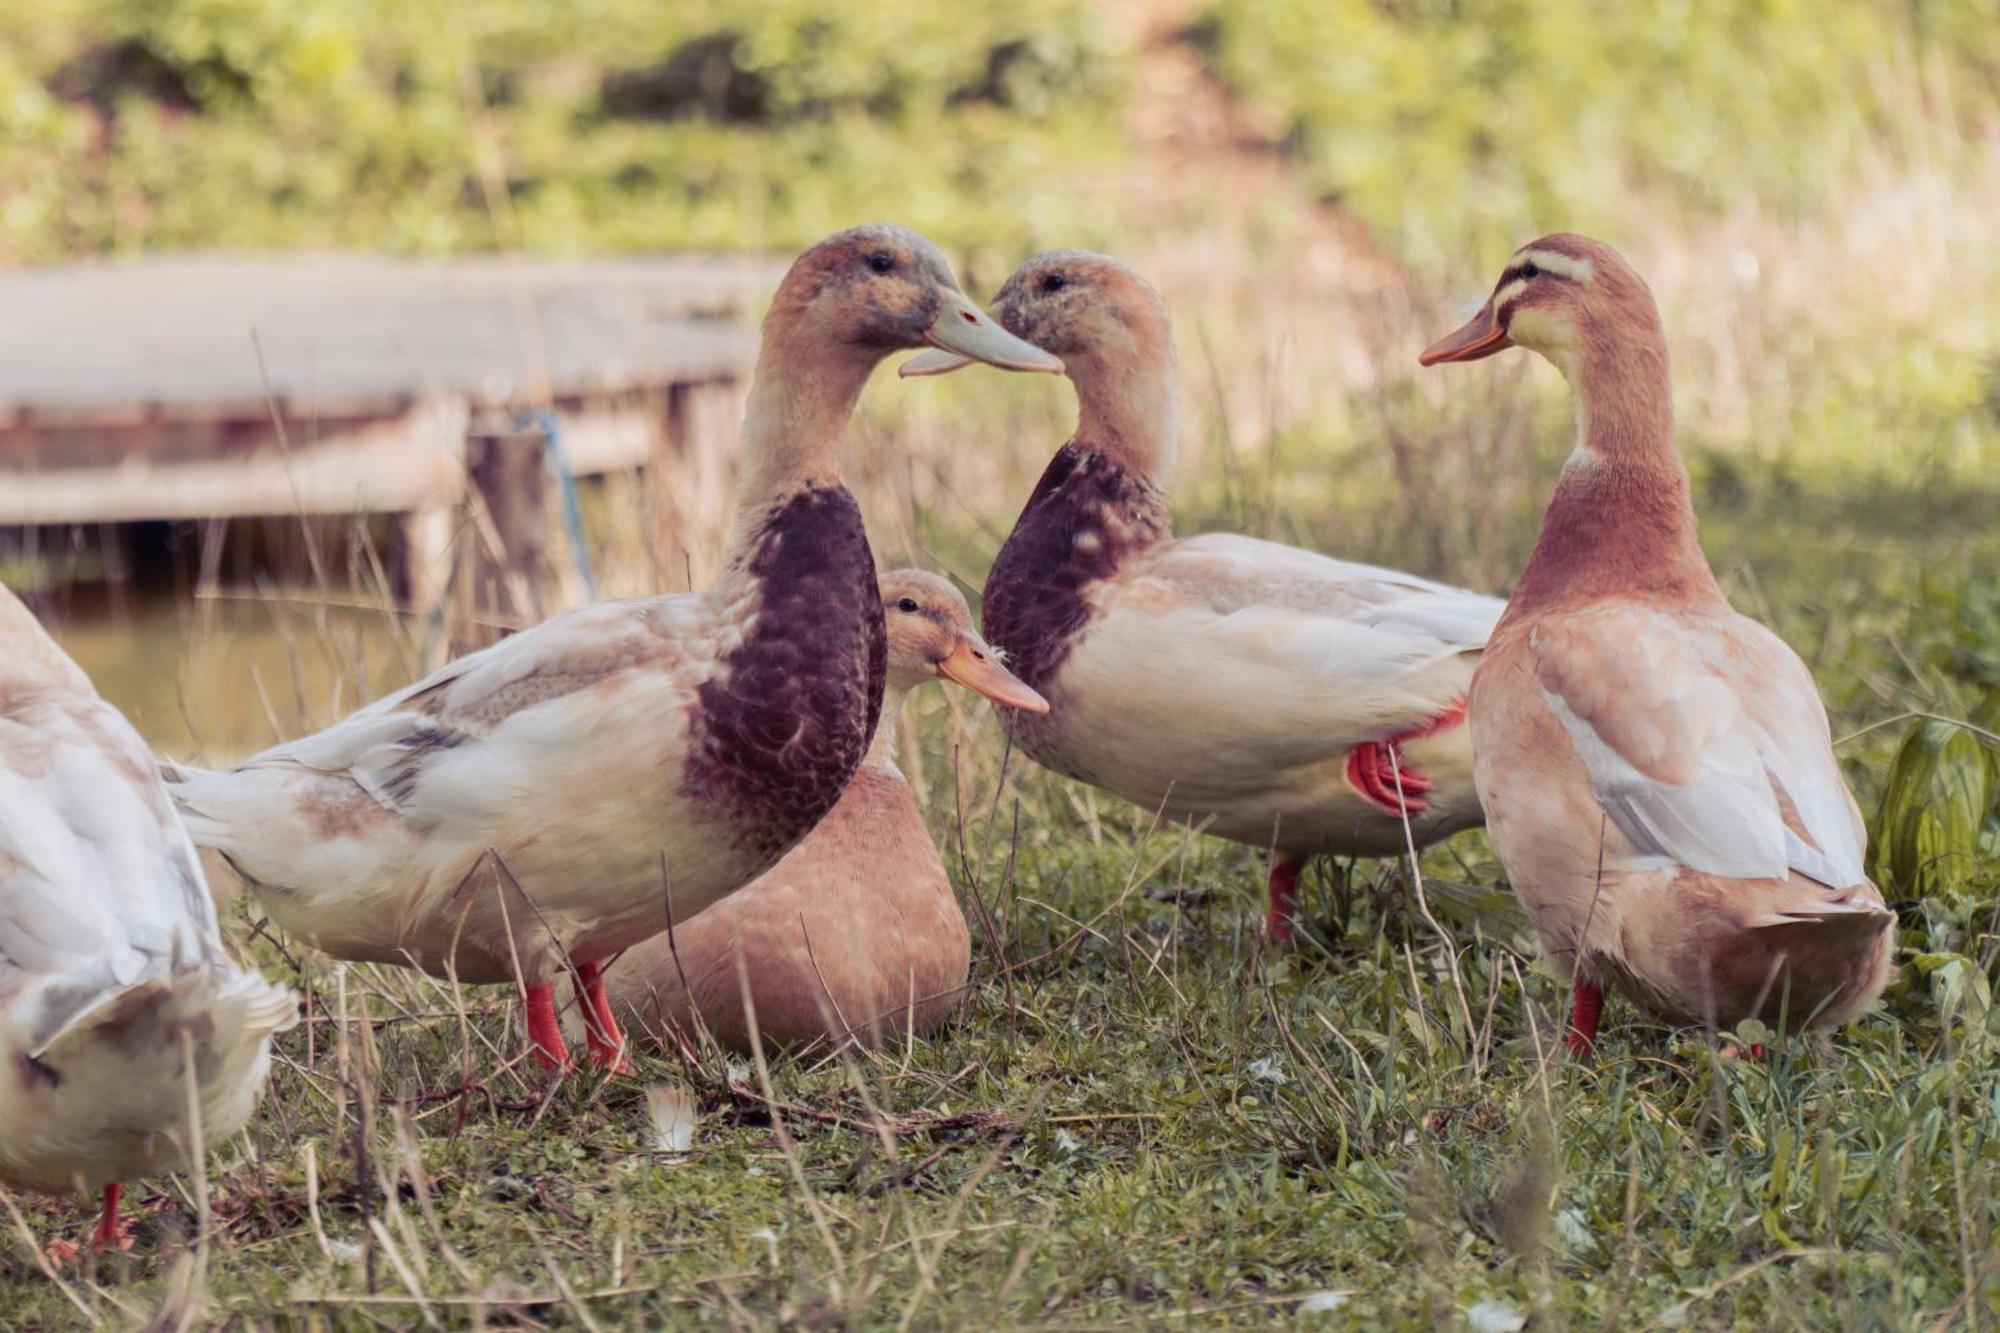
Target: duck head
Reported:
[(1564, 296), (1089, 309), (931, 638), (881, 288), (1111, 329)]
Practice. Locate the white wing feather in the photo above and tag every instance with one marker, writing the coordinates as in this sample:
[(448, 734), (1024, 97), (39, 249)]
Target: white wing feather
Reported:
[(1688, 751), (388, 746)]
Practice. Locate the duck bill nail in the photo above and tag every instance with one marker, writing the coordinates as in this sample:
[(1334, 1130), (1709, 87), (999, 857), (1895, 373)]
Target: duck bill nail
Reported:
[(1480, 336), (964, 328), (971, 664), (933, 362)]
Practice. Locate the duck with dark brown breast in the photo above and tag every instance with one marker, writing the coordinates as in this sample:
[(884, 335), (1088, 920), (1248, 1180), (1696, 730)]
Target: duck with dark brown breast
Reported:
[(1272, 695), (552, 800), (856, 934), (1656, 768)]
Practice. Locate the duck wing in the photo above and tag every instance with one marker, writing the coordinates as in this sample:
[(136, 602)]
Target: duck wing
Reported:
[(1283, 652), (504, 705), (99, 886), (1705, 739)]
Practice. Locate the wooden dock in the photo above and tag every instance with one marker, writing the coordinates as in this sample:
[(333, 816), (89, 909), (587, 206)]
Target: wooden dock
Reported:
[(207, 388)]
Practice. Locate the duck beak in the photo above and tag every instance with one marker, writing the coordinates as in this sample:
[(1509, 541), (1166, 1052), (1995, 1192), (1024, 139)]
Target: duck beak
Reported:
[(1478, 337), (972, 664), (933, 362), (964, 329)]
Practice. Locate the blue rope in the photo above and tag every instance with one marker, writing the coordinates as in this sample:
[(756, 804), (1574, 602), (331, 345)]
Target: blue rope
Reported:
[(558, 464)]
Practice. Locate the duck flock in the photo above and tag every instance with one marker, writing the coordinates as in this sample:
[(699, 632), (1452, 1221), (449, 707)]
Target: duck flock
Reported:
[(688, 803)]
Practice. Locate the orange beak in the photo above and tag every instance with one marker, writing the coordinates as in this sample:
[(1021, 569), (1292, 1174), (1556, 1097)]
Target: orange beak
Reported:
[(972, 664), (1478, 337)]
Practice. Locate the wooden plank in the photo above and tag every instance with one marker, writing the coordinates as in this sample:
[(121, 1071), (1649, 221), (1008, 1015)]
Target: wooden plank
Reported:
[(402, 464), (206, 338)]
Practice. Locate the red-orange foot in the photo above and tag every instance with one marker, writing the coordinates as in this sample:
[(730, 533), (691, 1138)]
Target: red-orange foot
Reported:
[(544, 1033), (600, 1028), (1284, 884), (1377, 771), (108, 1234), (1586, 1006)]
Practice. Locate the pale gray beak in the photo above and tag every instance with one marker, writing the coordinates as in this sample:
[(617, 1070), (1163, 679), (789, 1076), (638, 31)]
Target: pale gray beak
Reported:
[(966, 332), (933, 362)]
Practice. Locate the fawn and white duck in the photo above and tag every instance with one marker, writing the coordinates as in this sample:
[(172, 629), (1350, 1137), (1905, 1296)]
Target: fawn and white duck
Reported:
[(564, 794), (116, 989), (1656, 768), (857, 933), (1272, 695)]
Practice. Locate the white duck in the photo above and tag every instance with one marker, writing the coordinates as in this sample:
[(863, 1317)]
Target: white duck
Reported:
[(1277, 696), (114, 980), (563, 794), (1657, 770)]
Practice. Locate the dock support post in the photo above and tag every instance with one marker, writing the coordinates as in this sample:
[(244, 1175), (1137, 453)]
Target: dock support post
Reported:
[(691, 480), (509, 496), (426, 557)]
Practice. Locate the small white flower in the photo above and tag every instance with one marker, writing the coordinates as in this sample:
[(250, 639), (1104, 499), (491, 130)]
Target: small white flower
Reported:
[(1268, 1069), (1673, 1316), (1572, 1229), (1324, 1302), (1067, 1143), (1495, 1317)]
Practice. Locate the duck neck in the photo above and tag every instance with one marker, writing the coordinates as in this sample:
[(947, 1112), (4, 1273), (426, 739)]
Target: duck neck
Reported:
[(1128, 410), (1621, 519), (801, 397), (882, 749)]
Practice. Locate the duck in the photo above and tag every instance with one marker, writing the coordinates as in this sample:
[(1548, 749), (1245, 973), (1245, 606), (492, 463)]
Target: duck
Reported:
[(539, 806), (117, 990), (1274, 696), (856, 935), (1656, 767)]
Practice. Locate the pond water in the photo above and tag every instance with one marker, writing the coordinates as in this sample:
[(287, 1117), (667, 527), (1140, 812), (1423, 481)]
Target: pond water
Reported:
[(221, 677)]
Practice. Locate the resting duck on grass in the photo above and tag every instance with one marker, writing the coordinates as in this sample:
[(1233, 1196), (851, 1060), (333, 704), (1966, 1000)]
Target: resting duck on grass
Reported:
[(115, 984), (856, 934), (1275, 696), (1657, 771), (564, 794)]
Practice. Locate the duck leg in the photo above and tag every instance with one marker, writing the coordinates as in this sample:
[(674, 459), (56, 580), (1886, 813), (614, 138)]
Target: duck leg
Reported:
[(1586, 1006), (600, 1027), (544, 1033), (109, 1232), (1284, 886), (1377, 771)]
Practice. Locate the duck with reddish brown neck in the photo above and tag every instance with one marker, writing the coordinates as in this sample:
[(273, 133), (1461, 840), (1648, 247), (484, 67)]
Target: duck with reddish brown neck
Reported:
[(550, 801), (1269, 694), (1657, 771)]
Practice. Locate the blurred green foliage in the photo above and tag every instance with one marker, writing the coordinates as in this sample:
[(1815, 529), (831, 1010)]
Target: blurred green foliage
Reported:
[(1497, 117), (551, 124), (624, 124)]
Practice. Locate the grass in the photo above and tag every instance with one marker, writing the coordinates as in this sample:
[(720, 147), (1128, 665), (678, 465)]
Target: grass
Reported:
[(1141, 1118)]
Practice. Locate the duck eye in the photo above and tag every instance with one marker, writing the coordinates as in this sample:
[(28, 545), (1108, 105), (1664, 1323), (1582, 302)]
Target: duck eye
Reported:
[(1531, 270), (1055, 282), (908, 604), (882, 261)]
